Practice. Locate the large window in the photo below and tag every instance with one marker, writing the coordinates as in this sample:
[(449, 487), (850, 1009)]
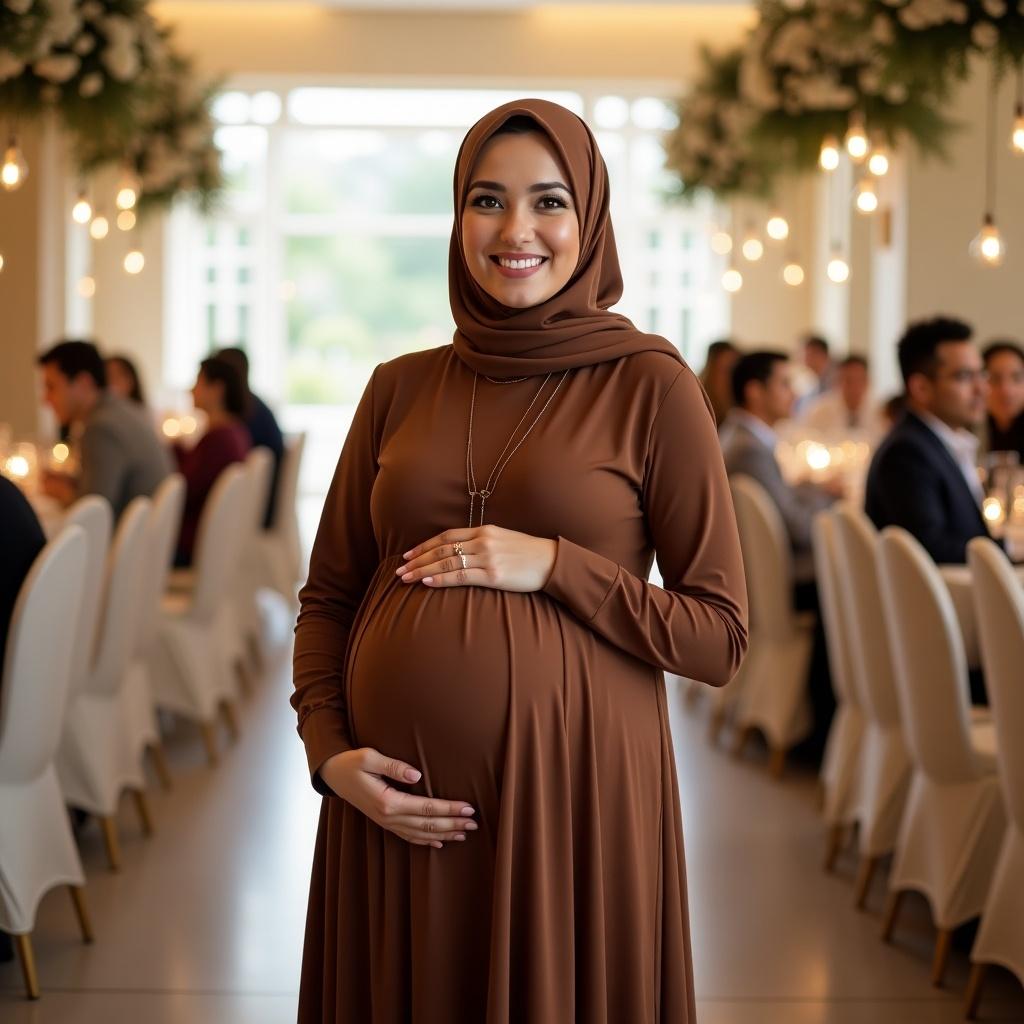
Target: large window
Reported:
[(329, 251)]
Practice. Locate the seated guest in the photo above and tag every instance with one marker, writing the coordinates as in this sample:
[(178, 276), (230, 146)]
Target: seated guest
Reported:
[(123, 380), (1004, 362), (120, 454), (717, 376), (219, 393), (764, 395), (892, 410), (818, 367), (923, 476), (846, 407), (262, 424), (23, 539)]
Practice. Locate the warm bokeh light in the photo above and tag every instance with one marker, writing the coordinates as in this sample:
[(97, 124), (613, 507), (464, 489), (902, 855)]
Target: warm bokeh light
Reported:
[(878, 163), (856, 141), (988, 246), (777, 227), (171, 427), (992, 508), (867, 197), (1017, 138), (188, 424), (15, 168), (81, 212), (838, 270), (126, 220), (752, 249), (100, 227), (61, 452), (17, 465), (793, 274), (828, 158), (87, 287), (134, 261), (732, 280), (721, 243)]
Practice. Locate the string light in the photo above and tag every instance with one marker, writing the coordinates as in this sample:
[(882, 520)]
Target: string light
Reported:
[(126, 220), (100, 227), (828, 158), (732, 280), (721, 243), (81, 212), (15, 167), (793, 274), (777, 227), (878, 162), (134, 261), (752, 248), (856, 138), (867, 197), (127, 191)]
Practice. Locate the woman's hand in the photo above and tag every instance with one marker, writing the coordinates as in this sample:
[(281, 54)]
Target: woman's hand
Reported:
[(361, 777), (490, 557)]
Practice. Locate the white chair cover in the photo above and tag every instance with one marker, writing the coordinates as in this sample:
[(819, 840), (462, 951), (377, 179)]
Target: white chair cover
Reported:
[(102, 748), (883, 768), (191, 665), (839, 766), (280, 546), (259, 466), (37, 850), (999, 603), (773, 697), (954, 820)]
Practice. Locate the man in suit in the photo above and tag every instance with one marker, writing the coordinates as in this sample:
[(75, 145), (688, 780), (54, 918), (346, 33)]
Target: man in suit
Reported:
[(923, 476), (764, 396)]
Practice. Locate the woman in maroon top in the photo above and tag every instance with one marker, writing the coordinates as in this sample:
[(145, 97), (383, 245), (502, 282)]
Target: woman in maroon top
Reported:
[(220, 394)]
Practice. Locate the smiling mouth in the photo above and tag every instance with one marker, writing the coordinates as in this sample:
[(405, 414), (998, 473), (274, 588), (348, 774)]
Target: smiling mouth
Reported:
[(523, 263)]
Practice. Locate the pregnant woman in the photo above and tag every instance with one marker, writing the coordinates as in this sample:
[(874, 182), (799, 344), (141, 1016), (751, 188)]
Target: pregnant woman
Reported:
[(478, 656)]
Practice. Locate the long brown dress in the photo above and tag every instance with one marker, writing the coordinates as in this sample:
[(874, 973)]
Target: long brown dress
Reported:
[(546, 711)]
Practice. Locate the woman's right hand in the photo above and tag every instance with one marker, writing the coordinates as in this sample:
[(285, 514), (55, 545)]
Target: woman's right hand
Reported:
[(361, 777)]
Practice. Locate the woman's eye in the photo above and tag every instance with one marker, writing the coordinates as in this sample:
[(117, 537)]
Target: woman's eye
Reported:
[(559, 203), (484, 201)]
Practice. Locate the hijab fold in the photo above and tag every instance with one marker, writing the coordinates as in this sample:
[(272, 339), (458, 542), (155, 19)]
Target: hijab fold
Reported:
[(573, 328)]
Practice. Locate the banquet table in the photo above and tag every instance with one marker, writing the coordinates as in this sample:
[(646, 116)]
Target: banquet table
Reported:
[(958, 579)]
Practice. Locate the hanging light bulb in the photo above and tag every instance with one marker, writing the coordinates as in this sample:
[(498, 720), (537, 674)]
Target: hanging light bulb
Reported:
[(752, 248), (867, 197), (15, 167), (777, 227), (127, 191), (988, 246), (828, 158), (134, 261), (838, 269), (1017, 139), (87, 287), (878, 162), (732, 280), (793, 274), (81, 212), (721, 243), (100, 227), (856, 138), (126, 220)]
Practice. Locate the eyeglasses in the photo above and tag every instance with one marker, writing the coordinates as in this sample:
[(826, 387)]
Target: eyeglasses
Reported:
[(965, 376)]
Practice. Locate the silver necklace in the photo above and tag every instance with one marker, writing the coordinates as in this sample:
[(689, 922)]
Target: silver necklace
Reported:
[(506, 380), (483, 493)]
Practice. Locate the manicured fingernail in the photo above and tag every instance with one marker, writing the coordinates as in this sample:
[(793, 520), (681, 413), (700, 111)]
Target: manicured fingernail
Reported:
[(400, 570), (428, 579), (438, 846), (472, 826), (407, 577), (467, 810), (407, 554), (460, 837), (412, 775)]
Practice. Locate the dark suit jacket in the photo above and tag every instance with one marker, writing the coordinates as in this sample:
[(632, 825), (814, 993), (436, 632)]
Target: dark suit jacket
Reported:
[(914, 482), (266, 433), (23, 539)]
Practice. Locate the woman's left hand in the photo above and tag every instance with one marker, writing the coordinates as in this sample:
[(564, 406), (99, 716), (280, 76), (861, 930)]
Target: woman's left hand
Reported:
[(495, 558)]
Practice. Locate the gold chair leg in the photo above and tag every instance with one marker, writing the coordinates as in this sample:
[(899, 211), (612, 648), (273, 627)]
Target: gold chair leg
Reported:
[(777, 764), (142, 807), (974, 986), (834, 844), (81, 911), (942, 943), (111, 842), (160, 766), (28, 965), (865, 872), (210, 742), (891, 912), (228, 711)]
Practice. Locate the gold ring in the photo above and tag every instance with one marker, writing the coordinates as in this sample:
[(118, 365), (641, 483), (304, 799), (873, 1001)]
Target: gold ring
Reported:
[(457, 547), (465, 560)]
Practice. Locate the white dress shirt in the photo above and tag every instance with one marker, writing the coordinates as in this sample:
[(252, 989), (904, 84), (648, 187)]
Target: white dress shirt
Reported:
[(963, 446)]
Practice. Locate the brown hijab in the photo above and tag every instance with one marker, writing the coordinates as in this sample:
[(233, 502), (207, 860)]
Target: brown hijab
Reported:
[(573, 328)]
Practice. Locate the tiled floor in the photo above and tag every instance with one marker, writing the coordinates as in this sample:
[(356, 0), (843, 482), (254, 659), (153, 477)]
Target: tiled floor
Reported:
[(204, 923)]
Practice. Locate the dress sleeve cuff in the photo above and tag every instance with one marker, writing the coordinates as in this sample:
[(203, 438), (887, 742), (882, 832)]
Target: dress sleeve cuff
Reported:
[(323, 735), (580, 578)]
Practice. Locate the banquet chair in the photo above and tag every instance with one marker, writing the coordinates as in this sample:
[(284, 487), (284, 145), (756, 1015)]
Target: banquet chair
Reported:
[(954, 820), (37, 849), (259, 465), (279, 547), (842, 750), (882, 771), (773, 698), (103, 744), (999, 603), (161, 536), (191, 667)]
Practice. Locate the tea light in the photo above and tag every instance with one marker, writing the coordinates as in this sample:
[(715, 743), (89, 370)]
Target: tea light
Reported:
[(171, 427), (993, 511), (60, 453), (17, 466)]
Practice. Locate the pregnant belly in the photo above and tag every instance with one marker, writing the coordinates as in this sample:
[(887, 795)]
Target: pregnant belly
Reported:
[(432, 673)]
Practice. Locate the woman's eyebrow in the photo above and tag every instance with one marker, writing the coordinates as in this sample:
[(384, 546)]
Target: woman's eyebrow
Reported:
[(541, 186)]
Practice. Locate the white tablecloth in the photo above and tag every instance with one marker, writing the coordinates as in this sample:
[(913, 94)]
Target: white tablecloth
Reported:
[(958, 580)]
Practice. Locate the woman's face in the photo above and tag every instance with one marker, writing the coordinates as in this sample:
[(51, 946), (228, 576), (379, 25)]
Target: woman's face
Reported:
[(520, 230), (119, 381)]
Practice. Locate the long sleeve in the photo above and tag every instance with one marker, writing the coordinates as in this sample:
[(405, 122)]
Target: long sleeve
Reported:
[(343, 562), (103, 465), (697, 625)]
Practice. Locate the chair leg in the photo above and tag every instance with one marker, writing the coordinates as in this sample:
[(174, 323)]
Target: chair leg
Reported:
[(974, 986), (777, 764), (942, 943), (28, 965), (740, 743), (81, 911), (111, 842), (834, 844), (160, 766), (228, 711), (142, 807), (210, 742), (891, 913), (865, 872)]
